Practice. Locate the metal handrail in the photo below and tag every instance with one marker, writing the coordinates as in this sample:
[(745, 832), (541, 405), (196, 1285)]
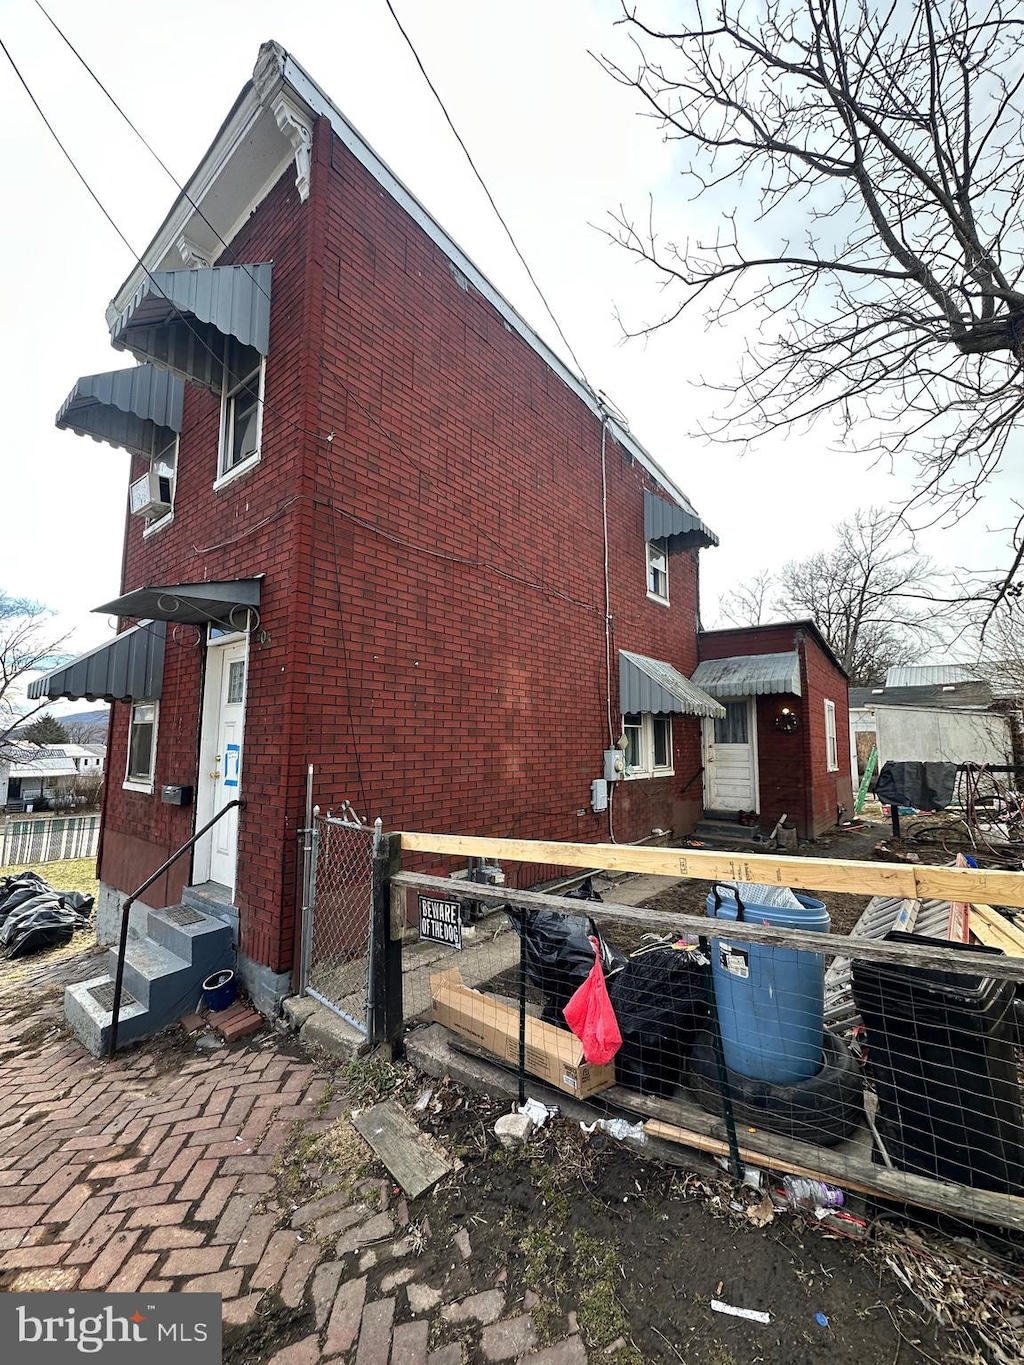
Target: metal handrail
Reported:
[(122, 946)]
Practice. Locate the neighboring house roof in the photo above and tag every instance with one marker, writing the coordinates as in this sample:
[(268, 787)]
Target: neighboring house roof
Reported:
[(44, 766), (280, 96), (930, 675), (963, 696), (750, 675), (97, 750)]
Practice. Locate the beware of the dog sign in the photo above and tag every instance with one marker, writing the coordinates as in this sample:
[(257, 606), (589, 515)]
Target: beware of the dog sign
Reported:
[(440, 922)]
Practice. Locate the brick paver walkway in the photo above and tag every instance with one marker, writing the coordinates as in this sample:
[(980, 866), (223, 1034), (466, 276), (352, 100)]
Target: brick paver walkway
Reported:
[(161, 1171)]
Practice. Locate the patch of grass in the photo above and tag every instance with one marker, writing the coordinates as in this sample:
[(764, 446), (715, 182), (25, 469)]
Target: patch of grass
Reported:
[(718, 1355), (548, 1322), (72, 874), (370, 1079), (340, 1153), (601, 1316), (324, 1102)]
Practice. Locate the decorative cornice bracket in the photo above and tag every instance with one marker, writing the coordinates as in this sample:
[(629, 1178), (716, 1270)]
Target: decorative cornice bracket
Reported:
[(297, 127), (194, 256)]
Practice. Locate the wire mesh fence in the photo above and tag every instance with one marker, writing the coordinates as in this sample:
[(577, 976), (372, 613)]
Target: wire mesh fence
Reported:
[(49, 841), (883, 1065), (339, 900)]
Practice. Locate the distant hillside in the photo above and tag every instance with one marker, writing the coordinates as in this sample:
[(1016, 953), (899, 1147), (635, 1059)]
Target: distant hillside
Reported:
[(95, 718)]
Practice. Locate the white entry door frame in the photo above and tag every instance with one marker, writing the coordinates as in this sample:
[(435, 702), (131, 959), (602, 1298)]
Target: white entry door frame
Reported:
[(221, 746), (730, 758)]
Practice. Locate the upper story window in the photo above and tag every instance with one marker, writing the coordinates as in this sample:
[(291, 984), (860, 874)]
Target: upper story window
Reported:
[(649, 747), (831, 746), (241, 419), (657, 570)]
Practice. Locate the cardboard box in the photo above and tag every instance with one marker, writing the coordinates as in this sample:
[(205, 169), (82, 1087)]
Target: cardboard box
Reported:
[(552, 1054)]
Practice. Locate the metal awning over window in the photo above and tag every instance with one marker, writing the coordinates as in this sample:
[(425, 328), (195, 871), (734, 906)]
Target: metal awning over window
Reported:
[(224, 604), (668, 521), (750, 675), (129, 668), (139, 409), (653, 685), (180, 319)]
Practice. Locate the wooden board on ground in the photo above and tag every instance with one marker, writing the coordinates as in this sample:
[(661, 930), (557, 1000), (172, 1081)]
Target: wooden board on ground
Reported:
[(404, 1150)]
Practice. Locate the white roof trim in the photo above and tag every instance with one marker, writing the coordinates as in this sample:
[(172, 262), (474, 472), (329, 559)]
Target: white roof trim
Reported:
[(274, 70)]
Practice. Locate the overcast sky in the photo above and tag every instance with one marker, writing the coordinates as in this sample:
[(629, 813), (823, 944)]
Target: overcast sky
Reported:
[(559, 144)]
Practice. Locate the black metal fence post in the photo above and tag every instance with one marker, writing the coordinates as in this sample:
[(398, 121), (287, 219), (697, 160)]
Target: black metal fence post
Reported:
[(735, 1160), (385, 1014)]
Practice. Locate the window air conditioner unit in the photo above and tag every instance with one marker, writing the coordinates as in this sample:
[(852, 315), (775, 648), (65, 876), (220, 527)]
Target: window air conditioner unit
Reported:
[(151, 495)]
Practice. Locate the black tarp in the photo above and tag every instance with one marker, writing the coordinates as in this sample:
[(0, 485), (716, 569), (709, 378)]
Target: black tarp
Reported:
[(925, 786)]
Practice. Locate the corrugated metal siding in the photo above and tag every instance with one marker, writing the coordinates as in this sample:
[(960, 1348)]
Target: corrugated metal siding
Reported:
[(663, 520), (126, 408), (179, 318), (750, 675), (653, 685), (130, 668)]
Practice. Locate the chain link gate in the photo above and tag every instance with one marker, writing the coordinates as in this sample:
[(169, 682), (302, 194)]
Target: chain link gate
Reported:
[(339, 860)]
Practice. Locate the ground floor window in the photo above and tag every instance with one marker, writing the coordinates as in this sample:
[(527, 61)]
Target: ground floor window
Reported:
[(649, 745), (142, 746)]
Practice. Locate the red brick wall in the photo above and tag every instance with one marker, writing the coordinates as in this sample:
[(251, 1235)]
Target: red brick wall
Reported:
[(793, 776), (433, 605)]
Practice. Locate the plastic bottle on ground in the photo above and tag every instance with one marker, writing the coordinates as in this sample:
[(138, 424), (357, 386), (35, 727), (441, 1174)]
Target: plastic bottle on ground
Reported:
[(811, 1194)]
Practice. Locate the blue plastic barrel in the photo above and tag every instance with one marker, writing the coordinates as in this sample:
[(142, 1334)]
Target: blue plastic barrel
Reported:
[(220, 990), (771, 1001)]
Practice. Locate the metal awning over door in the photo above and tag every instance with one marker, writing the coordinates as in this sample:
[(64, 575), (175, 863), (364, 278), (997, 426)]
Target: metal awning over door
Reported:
[(750, 675), (224, 604)]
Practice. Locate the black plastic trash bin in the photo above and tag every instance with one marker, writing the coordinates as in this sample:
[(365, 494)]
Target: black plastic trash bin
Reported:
[(941, 1057)]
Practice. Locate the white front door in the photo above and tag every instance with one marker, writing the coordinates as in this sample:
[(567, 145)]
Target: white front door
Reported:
[(221, 771), (730, 758)]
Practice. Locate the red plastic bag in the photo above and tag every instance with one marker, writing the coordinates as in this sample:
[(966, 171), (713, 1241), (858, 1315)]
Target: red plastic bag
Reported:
[(590, 1015)]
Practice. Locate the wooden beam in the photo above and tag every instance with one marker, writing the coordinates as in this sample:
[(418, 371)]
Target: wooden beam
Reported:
[(836, 945), (902, 881)]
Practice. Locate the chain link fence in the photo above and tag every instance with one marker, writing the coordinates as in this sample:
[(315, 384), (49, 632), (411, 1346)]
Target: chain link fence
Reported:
[(49, 841), (339, 909)]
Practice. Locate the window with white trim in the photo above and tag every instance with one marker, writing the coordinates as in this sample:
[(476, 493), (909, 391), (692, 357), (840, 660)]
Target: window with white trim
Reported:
[(141, 746), (241, 414), (657, 570), (831, 745), (649, 745)]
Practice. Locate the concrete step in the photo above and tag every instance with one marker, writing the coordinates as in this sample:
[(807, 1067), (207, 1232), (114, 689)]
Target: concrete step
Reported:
[(156, 977), (198, 938), (728, 834), (88, 1010), (215, 900)]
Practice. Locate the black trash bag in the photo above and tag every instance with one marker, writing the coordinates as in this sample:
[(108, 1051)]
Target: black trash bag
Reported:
[(584, 892), (79, 901), (38, 924), (559, 957), (18, 889), (660, 1002)]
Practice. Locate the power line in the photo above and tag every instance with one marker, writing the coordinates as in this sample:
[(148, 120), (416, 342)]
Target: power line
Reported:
[(483, 186)]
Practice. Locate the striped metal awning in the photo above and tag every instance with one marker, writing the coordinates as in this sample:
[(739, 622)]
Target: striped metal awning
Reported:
[(653, 685), (138, 409), (750, 675), (129, 668), (665, 520), (222, 604), (179, 319)]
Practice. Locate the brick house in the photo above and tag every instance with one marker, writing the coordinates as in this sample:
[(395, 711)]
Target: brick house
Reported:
[(783, 746), (375, 525)]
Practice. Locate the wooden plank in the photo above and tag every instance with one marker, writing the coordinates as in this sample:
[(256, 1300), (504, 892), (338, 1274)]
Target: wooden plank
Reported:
[(401, 1146), (900, 880), (946, 958), (996, 931)]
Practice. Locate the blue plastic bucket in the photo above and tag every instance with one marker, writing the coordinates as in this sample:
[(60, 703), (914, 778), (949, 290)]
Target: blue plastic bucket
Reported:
[(220, 990), (771, 1001)]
